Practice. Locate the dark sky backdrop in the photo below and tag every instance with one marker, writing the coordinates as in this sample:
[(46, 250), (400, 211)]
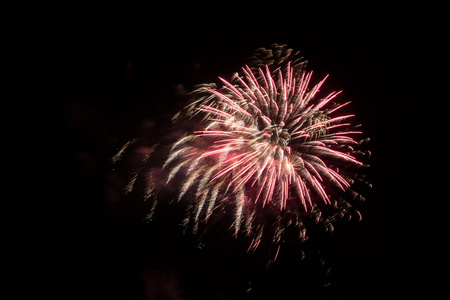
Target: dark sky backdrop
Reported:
[(91, 80)]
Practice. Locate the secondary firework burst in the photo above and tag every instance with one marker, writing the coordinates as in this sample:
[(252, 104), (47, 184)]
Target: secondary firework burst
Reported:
[(268, 153)]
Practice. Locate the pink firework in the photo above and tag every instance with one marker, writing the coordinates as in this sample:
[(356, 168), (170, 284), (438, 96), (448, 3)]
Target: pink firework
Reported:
[(269, 146), (268, 154)]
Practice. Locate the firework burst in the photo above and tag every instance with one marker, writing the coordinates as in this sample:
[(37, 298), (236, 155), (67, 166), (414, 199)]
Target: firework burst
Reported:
[(269, 153)]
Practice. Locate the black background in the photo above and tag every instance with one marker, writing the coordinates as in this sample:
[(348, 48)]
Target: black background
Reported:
[(89, 80)]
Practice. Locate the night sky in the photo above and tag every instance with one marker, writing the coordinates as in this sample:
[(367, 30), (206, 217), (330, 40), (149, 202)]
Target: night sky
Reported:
[(89, 81)]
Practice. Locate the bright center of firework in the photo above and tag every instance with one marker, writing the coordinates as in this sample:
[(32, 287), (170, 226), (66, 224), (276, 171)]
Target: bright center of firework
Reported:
[(280, 137)]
